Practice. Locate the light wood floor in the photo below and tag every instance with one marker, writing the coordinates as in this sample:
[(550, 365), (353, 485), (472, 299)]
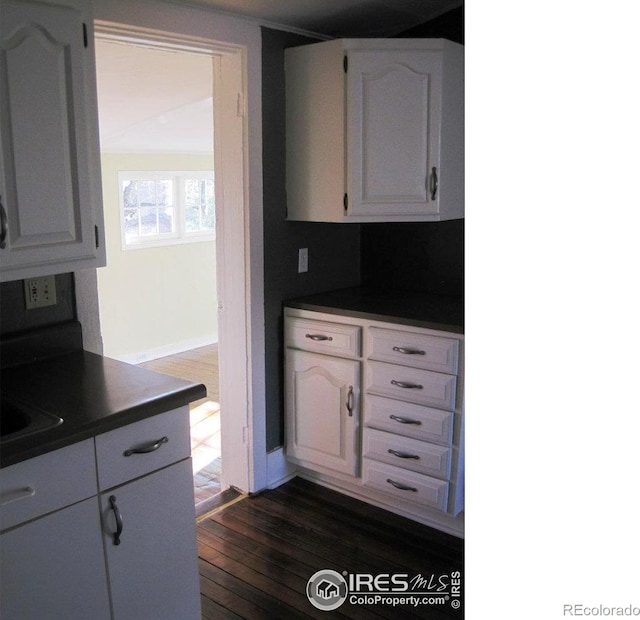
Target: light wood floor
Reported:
[(201, 366)]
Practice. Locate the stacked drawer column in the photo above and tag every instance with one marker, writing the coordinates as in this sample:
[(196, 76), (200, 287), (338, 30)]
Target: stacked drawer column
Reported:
[(411, 394)]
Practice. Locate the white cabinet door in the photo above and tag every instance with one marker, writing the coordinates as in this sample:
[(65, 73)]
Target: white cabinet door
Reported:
[(322, 410), (153, 570), (54, 567), (49, 174), (393, 131), (383, 142)]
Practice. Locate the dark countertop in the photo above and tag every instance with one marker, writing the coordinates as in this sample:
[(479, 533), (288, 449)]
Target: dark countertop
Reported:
[(91, 393), (441, 312)]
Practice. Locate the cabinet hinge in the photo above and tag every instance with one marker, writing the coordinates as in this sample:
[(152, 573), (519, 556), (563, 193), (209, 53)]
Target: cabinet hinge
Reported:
[(345, 63), (345, 202), (85, 35), (97, 236)]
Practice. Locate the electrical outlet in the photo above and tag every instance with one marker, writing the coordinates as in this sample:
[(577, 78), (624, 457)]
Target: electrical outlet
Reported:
[(303, 260), (40, 292)]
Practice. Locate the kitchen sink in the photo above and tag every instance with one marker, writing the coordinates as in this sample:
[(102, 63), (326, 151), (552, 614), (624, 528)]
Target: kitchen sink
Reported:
[(19, 420)]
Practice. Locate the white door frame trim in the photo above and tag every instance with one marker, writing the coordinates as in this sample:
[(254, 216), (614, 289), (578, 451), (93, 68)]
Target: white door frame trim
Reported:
[(240, 262)]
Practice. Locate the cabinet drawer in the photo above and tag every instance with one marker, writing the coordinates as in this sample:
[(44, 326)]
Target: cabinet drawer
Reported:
[(412, 385), (408, 419), (407, 453), (41, 484), (407, 485), (415, 350), (323, 337), (142, 447)]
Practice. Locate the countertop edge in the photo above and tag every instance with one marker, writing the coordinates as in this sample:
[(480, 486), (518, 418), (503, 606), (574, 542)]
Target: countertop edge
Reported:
[(373, 316)]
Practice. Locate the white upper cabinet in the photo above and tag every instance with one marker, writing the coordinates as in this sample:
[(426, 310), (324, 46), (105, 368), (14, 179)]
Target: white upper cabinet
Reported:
[(375, 130), (52, 218)]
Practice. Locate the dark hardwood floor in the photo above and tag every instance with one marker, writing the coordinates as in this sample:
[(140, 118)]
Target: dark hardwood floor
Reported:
[(256, 555)]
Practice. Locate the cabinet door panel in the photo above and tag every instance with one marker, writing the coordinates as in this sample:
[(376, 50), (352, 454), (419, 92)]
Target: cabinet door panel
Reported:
[(153, 572), (44, 129), (53, 567), (392, 119), (320, 430)]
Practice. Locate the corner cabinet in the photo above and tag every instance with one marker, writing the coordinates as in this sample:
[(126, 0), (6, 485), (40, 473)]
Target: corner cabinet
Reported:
[(50, 190), (375, 130), (374, 409)]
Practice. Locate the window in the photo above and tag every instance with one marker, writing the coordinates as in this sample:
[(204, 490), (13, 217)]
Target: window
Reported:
[(165, 208)]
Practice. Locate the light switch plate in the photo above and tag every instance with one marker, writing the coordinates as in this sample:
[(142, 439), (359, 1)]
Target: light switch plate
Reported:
[(303, 260), (40, 292)]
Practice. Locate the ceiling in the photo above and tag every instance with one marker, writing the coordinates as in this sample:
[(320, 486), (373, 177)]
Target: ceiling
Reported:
[(337, 18), (152, 100)]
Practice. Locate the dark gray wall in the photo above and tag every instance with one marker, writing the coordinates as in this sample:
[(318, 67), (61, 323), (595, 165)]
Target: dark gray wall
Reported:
[(334, 249), (421, 257), (14, 317)]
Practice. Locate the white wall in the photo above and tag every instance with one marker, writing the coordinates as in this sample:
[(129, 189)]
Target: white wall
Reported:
[(158, 300)]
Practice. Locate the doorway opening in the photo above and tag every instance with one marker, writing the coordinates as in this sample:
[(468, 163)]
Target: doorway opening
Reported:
[(158, 295)]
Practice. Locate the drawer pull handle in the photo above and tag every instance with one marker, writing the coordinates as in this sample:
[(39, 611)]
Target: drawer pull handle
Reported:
[(402, 420), (151, 447), (402, 487), (403, 455), (406, 385), (16, 496), (350, 401), (408, 351), (118, 516), (318, 337)]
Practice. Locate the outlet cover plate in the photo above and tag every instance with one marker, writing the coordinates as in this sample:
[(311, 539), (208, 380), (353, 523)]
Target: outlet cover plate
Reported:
[(40, 292)]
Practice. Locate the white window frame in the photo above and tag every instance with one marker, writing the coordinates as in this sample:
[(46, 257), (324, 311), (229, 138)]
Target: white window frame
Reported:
[(180, 235)]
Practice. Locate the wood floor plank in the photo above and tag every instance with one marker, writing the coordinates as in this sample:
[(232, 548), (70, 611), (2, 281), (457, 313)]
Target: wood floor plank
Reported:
[(292, 603), (264, 549), (386, 544)]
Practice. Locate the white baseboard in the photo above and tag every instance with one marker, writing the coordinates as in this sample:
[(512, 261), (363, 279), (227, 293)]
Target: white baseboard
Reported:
[(170, 349), (279, 470)]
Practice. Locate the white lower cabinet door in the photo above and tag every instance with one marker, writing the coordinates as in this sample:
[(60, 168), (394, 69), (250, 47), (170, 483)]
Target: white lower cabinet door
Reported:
[(322, 410), (150, 541), (53, 567)]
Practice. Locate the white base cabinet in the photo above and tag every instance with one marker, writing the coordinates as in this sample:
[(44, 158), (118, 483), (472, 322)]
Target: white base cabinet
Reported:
[(153, 574), (53, 567), (104, 528), (322, 402), (404, 439)]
